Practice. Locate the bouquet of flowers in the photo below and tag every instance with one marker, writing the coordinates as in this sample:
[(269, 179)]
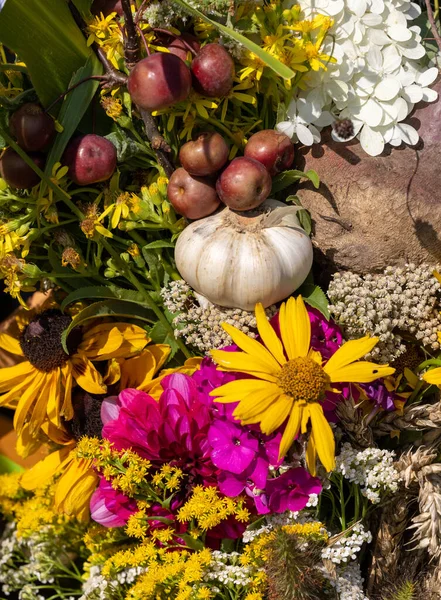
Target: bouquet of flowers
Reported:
[(214, 425)]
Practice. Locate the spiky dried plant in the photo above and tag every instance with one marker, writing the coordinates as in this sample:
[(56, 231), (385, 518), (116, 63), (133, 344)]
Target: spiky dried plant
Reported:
[(353, 422), (292, 568), (427, 524), (415, 418)]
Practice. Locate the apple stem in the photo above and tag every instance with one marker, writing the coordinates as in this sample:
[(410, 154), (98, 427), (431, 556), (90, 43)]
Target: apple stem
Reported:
[(131, 45), (146, 46)]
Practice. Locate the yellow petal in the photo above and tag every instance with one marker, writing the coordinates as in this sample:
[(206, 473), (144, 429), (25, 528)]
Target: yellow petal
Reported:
[(57, 434), (75, 488), (323, 436), (301, 325), (291, 430), (138, 371), (234, 391), (10, 344), (244, 363), (113, 340), (433, 376), (12, 376), (161, 352), (252, 347), (41, 473), (252, 408), (10, 398), (36, 384), (26, 444), (268, 335), (113, 371), (360, 372), (286, 330), (275, 415), (311, 455), (348, 353), (49, 389), (86, 376)]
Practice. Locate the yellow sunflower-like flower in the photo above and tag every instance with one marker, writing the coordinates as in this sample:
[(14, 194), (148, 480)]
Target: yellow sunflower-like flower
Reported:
[(40, 387), (289, 379)]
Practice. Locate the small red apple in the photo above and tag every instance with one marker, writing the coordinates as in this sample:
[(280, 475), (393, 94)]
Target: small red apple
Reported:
[(193, 197), (205, 155), (158, 81), (16, 172), (244, 184), (271, 148), (90, 158), (213, 71), (33, 129), (178, 48)]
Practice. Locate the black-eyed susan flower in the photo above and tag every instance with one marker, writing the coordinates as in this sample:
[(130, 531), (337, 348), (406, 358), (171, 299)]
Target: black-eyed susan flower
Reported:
[(288, 380), (40, 387)]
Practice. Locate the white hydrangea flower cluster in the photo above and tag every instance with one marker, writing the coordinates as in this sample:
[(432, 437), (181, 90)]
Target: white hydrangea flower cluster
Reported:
[(378, 78), (225, 568), (349, 546), (372, 469), (349, 582)]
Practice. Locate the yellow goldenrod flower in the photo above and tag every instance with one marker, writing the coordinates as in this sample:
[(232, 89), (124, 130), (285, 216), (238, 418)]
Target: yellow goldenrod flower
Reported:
[(289, 380)]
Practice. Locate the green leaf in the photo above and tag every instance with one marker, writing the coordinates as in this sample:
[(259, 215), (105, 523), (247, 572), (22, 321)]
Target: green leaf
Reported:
[(107, 308), (158, 244), (73, 108), (110, 292), (9, 466), (303, 215), (269, 60), (162, 335), (46, 38), (287, 178), (314, 296), (83, 6), (125, 146)]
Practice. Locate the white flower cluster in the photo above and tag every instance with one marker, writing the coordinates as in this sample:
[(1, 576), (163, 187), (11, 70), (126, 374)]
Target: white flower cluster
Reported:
[(349, 582), (279, 520), (378, 77), (98, 587), (226, 569), (349, 546), (372, 469)]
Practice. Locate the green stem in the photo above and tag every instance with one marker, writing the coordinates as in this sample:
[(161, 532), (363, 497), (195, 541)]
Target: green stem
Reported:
[(61, 194), (13, 67), (429, 363), (121, 265), (342, 504)]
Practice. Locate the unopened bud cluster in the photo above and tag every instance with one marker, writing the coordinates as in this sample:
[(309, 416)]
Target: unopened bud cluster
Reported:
[(201, 327), (401, 300)]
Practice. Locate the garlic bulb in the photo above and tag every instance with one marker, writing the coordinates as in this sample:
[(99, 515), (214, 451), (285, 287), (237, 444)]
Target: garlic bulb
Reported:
[(236, 260)]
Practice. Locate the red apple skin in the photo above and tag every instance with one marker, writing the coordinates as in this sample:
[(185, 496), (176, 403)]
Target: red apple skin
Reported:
[(244, 184), (16, 172), (213, 71), (271, 148), (192, 197), (177, 47), (90, 158), (205, 155), (158, 81), (106, 7), (33, 129)]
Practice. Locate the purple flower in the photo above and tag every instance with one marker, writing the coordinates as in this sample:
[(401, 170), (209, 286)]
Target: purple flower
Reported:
[(109, 507), (291, 490), (378, 393), (232, 447)]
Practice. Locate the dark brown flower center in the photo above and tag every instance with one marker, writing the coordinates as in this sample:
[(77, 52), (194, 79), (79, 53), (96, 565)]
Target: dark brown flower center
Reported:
[(41, 340), (303, 379)]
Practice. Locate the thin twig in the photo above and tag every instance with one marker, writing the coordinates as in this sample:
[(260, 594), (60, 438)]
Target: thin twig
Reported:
[(158, 143), (131, 43), (433, 26), (144, 41), (71, 89), (138, 15)]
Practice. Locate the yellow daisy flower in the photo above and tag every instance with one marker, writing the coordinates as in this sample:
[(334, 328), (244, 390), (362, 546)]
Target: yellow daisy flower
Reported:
[(41, 386), (289, 379)]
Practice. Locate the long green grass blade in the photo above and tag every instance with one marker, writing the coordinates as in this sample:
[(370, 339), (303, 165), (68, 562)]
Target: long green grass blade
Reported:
[(269, 60), (46, 38)]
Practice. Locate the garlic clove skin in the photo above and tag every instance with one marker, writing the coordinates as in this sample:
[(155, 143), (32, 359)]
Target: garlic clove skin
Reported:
[(238, 259)]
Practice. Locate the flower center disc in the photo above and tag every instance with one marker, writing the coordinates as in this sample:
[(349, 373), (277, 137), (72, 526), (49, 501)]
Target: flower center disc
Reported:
[(41, 340), (303, 379)]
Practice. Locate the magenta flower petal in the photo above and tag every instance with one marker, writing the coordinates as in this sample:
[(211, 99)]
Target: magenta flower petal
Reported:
[(291, 490), (233, 448), (110, 409)]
